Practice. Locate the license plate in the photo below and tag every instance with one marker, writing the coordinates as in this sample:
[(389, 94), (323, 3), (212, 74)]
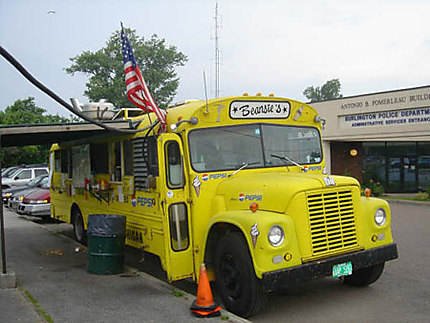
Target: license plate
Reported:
[(343, 269)]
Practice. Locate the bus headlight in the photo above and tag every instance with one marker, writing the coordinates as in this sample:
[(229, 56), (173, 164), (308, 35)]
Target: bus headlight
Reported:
[(380, 217), (276, 235)]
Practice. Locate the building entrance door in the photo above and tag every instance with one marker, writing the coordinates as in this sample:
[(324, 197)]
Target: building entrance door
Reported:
[(401, 174)]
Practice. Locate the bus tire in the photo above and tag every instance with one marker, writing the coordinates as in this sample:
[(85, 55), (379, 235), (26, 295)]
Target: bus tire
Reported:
[(240, 290), (365, 276), (78, 226)]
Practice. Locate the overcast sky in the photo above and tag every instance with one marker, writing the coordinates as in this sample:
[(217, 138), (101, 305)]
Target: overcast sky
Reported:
[(267, 46)]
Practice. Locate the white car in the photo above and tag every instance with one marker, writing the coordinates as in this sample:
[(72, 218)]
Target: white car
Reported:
[(22, 176)]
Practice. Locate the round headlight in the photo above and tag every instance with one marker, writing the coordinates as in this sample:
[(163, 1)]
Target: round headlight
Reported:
[(380, 217), (276, 236)]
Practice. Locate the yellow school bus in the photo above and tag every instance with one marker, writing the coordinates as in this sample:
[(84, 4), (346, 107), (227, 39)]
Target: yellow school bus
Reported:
[(238, 183)]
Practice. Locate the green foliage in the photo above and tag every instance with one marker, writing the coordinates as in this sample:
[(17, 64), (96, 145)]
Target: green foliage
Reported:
[(36, 304), (347, 173), (177, 293), (26, 112), (105, 69), (422, 196), (375, 187), (328, 91)]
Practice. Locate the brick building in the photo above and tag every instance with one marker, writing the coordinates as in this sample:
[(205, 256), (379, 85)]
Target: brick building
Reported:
[(381, 137)]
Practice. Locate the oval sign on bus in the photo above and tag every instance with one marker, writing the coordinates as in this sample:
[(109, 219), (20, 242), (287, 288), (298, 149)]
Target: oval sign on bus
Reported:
[(259, 110)]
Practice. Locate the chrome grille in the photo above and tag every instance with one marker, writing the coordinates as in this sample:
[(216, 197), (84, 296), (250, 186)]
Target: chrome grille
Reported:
[(332, 221)]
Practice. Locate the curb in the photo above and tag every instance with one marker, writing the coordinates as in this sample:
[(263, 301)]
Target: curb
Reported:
[(186, 297), (407, 202)]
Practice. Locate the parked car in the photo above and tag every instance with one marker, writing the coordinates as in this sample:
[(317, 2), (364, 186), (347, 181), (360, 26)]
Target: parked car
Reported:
[(16, 198), (23, 175), (6, 172), (9, 192), (37, 203)]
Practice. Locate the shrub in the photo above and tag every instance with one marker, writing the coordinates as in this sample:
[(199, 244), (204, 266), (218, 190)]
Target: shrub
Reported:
[(375, 187)]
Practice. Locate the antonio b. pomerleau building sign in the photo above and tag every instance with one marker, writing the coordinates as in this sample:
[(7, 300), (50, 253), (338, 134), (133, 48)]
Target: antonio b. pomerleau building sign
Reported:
[(380, 138)]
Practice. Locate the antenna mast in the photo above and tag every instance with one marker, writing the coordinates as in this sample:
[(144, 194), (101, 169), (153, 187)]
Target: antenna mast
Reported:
[(217, 63)]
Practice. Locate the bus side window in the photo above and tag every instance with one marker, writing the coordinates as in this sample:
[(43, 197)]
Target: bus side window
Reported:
[(99, 158), (175, 174), (116, 162), (57, 161), (64, 161), (178, 222), (128, 157), (69, 164)]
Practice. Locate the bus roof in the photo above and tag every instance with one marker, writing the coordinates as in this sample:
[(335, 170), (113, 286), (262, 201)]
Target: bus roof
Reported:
[(234, 110)]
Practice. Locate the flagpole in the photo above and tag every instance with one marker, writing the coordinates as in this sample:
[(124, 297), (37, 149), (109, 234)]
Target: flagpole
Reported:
[(149, 116), (137, 91)]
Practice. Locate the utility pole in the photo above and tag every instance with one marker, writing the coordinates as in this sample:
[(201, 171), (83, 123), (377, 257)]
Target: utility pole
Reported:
[(217, 63)]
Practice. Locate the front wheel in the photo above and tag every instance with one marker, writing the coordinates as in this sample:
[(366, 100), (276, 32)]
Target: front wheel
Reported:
[(365, 276), (78, 227), (240, 290)]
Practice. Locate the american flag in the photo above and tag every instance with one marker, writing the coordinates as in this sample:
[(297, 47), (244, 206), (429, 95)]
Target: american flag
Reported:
[(137, 91)]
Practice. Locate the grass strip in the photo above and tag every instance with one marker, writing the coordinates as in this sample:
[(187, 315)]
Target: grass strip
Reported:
[(39, 309)]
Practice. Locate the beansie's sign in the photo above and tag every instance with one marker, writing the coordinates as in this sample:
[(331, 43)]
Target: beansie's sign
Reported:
[(259, 110), (386, 118)]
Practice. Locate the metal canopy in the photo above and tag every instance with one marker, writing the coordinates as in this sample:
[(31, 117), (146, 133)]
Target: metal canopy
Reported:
[(46, 134)]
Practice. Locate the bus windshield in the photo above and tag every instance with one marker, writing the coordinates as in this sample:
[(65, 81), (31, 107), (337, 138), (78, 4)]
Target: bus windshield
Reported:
[(228, 148)]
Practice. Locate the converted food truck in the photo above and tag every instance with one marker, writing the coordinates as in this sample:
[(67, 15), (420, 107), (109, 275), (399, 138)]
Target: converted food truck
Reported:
[(238, 183)]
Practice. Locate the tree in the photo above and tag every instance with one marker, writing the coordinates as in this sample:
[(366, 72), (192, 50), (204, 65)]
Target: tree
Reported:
[(105, 69), (26, 112), (330, 90)]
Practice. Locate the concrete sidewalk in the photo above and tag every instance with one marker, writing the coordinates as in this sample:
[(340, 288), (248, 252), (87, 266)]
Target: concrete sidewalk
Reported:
[(55, 286)]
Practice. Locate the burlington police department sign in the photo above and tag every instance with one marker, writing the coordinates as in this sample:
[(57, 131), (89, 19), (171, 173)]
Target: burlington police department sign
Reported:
[(386, 118)]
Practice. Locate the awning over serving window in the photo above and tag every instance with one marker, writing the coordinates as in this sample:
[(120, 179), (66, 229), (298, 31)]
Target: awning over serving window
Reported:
[(46, 134)]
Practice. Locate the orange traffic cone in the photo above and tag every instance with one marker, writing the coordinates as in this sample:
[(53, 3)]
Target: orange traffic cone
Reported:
[(204, 305)]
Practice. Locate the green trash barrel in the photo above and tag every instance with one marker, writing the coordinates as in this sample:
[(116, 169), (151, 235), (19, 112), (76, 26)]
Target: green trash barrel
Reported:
[(106, 240)]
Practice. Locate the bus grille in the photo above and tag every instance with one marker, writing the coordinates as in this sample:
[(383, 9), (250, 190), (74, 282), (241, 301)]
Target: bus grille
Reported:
[(332, 222)]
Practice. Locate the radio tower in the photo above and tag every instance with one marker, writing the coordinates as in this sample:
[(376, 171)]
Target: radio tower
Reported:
[(217, 81)]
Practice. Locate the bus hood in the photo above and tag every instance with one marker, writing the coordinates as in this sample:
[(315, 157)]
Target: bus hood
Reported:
[(274, 190)]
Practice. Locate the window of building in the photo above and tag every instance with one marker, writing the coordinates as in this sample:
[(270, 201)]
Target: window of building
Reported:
[(374, 163), (423, 165)]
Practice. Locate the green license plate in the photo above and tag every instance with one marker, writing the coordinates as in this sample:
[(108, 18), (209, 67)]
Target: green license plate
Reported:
[(343, 269)]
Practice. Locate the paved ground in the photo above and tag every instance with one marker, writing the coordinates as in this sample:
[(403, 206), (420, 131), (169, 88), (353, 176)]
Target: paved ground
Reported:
[(402, 294), (52, 277)]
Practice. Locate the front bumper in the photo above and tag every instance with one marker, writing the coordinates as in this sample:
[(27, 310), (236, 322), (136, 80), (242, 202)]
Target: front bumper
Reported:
[(13, 204), (276, 280), (35, 209)]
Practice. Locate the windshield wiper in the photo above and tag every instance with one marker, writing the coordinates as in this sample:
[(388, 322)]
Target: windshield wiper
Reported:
[(288, 160), (244, 165)]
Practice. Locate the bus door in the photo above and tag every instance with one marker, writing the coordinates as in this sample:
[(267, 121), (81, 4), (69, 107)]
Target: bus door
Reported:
[(174, 191)]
